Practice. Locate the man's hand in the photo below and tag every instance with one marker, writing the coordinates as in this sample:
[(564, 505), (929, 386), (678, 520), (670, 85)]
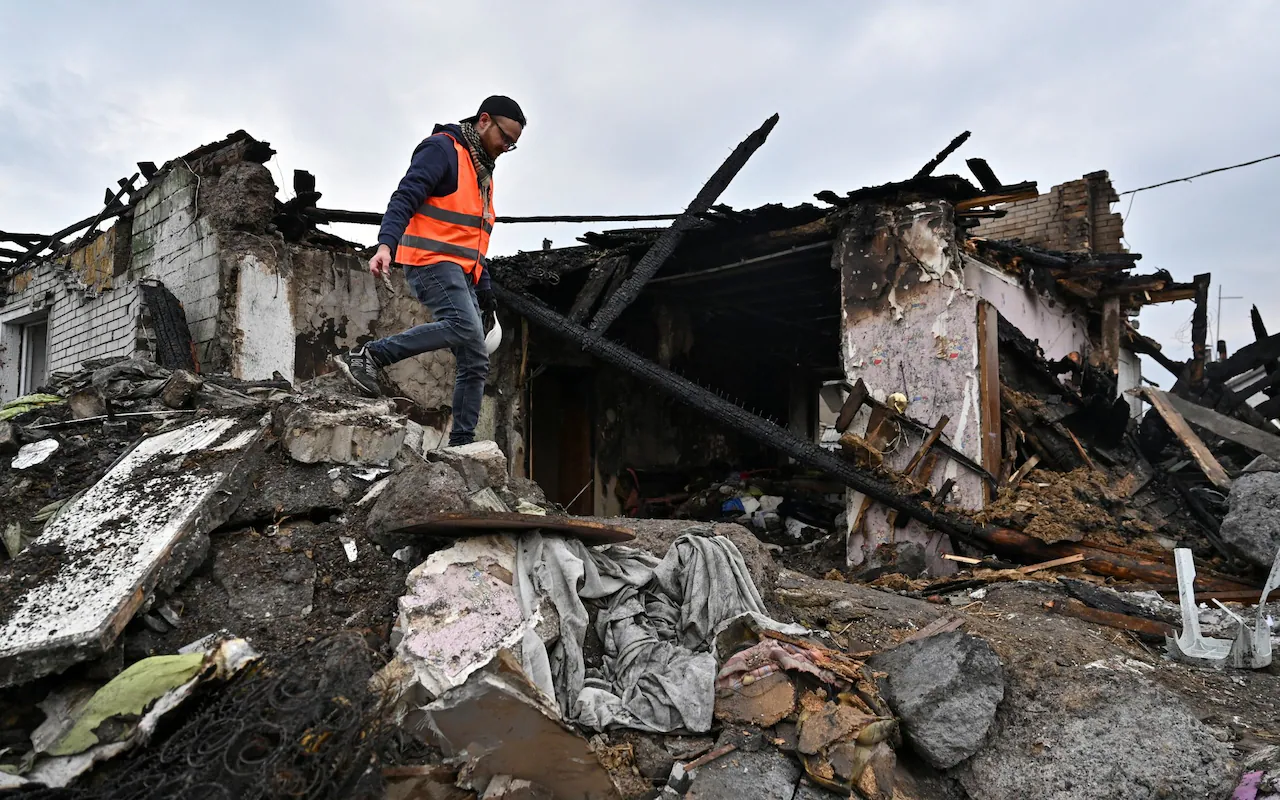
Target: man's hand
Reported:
[(380, 264)]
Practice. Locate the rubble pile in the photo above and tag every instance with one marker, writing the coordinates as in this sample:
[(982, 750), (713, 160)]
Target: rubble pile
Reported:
[(973, 571), (417, 623)]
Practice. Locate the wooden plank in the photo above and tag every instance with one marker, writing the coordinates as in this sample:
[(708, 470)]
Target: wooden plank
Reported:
[(961, 559), (989, 390), (1024, 470), (1207, 463), (940, 625), (1111, 320), (927, 445), (597, 279), (1145, 628), (1084, 454), (467, 523), (857, 396), (1075, 558), (1227, 427)]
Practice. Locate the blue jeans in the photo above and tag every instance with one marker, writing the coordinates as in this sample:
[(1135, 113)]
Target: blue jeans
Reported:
[(451, 296)]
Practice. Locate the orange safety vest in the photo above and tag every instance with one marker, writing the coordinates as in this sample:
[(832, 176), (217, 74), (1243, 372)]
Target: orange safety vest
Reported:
[(454, 227)]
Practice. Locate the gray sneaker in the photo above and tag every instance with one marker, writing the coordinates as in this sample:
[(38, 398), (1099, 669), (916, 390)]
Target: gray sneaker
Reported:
[(361, 369)]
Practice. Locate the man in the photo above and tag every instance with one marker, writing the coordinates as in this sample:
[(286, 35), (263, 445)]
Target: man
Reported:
[(437, 227)]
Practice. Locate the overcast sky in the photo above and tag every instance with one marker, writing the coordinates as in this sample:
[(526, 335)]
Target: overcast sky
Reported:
[(633, 104)]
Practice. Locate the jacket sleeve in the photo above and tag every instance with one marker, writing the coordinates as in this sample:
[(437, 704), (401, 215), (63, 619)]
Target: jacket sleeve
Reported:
[(483, 285), (430, 165)]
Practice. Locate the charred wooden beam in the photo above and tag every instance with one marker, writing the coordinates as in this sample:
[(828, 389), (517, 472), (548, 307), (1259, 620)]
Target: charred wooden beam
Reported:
[(598, 278), (1005, 194), (113, 208), (1147, 346), (951, 147), (1259, 327), (1200, 330), (1249, 357), (1227, 427), (662, 249), (983, 172), (1207, 463), (857, 396), (327, 215)]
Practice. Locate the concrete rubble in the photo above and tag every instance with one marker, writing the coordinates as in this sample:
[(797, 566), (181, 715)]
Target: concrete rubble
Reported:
[(953, 546)]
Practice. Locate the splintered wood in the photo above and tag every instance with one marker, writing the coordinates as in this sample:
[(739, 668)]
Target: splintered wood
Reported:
[(1203, 458)]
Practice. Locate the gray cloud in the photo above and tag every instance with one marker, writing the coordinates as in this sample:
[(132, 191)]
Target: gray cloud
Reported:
[(633, 104)]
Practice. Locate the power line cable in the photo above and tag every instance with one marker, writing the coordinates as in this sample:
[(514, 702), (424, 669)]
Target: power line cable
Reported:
[(1200, 175)]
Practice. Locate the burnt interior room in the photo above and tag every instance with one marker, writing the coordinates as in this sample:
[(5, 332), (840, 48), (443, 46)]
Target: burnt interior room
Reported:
[(748, 306)]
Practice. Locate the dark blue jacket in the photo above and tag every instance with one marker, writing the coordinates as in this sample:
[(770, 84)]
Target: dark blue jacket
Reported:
[(433, 172)]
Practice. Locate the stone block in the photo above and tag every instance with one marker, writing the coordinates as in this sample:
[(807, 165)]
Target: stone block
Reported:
[(349, 433), (180, 388), (945, 689), (481, 464), (1251, 528)]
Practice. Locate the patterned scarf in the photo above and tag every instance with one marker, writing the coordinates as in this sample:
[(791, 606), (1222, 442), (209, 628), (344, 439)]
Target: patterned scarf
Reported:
[(484, 165)]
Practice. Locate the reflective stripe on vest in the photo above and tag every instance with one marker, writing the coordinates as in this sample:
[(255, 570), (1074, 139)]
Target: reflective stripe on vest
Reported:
[(454, 227)]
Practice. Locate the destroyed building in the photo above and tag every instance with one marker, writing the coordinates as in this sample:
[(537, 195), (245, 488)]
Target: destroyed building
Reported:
[(861, 498)]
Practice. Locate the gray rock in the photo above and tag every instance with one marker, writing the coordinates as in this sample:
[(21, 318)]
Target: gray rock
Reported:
[(945, 689), (180, 389), (905, 557), (741, 774), (86, 403), (1114, 736), (416, 492), (482, 464), (1251, 528), (9, 443), (1263, 463)]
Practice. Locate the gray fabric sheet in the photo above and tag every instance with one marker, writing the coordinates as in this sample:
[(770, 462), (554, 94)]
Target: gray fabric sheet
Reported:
[(657, 626)]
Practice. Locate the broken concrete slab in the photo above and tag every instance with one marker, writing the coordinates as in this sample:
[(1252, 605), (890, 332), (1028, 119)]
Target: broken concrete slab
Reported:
[(945, 689), (1114, 737), (67, 596), (341, 431), (505, 787), (180, 389), (482, 464), (497, 721), (1251, 528)]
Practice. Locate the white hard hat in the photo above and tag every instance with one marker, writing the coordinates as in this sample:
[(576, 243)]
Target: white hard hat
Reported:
[(494, 337)]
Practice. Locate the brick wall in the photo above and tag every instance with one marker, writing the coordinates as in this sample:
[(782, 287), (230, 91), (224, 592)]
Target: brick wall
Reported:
[(174, 246), (83, 324), (1074, 216)]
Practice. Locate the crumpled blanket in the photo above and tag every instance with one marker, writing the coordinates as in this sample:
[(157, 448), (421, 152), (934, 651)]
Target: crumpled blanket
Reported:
[(657, 628)]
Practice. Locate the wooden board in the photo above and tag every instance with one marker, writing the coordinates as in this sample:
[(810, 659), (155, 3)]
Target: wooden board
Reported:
[(989, 390), (467, 524), (857, 396), (1208, 464), (1239, 432)]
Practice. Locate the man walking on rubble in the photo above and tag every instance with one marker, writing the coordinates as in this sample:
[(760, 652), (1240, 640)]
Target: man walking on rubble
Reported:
[(437, 227)]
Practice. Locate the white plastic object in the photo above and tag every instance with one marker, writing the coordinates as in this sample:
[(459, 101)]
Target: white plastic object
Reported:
[(494, 337)]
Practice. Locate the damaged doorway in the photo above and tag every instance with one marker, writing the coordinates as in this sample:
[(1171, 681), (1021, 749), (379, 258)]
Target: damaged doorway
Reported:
[(560, 453)]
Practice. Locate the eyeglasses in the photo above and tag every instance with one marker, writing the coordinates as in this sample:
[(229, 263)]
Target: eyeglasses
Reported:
[(508, 143)]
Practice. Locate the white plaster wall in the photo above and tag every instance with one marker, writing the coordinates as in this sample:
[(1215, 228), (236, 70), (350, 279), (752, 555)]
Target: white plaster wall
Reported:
[(172, 245), (1058, 329), (1130, 377), (265, 334), (923, 342)]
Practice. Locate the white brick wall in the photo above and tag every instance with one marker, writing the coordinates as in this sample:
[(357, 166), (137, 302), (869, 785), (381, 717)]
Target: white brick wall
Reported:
[(81, 326), (168, 243)]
